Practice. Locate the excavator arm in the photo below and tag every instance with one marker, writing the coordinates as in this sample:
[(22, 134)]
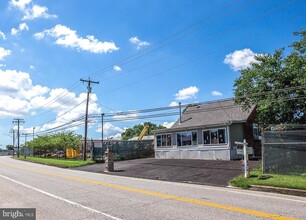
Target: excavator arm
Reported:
[(143, 132)]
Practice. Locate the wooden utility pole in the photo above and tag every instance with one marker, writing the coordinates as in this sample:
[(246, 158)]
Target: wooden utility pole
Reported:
[(13, 131), (18, 121), (86, 114)]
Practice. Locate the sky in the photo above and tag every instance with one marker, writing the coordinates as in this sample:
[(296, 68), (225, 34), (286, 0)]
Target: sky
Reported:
[(144, 54)]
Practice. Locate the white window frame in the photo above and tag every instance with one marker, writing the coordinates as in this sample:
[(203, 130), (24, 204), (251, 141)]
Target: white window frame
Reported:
[(166, 140), (215, 129), (255, 129), (192, 145)]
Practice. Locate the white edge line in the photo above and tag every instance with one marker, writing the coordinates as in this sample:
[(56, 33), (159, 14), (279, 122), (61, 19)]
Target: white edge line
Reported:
[(227, 189), (208, 187), (61, 198)]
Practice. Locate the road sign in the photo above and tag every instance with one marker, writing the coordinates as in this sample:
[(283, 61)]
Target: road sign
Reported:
[(249, 150)]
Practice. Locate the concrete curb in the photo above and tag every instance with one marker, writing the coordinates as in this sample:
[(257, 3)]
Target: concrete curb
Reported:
[(294, 192)]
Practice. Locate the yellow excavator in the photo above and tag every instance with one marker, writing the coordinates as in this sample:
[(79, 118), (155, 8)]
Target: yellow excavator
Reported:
[(143, 132)]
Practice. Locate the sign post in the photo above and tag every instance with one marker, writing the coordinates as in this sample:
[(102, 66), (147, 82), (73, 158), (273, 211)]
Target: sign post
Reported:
[(245, 156)]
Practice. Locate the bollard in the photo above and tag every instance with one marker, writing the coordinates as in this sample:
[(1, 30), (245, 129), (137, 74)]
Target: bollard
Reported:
[(109, 161)]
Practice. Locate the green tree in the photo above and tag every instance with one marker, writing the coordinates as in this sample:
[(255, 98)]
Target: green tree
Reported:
[(56, 141), (9, 147), (279, 71), (136, 130)]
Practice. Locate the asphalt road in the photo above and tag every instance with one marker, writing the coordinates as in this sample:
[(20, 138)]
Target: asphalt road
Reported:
[(72, 194)]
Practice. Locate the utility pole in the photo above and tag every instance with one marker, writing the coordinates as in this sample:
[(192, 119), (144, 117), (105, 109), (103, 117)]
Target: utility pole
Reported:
[(25, 138), (13, 131), (86, 114), (102, 116), (33, 132), (18, 121), (180, 108)]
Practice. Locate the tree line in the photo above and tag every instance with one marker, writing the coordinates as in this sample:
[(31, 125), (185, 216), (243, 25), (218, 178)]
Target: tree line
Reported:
[(58, 141)]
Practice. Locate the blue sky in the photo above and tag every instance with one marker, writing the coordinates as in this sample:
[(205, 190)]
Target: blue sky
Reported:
[(179, 51)]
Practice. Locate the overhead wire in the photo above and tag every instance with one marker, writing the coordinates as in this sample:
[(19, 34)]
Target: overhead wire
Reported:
[(251, 20), (200, 103), (165, 39), (199, 57), (58, 96), (169, 37), (160, 115)]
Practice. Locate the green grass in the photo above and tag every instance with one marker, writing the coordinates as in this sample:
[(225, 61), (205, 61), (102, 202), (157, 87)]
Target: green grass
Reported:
[(59, 162), (257, 178)]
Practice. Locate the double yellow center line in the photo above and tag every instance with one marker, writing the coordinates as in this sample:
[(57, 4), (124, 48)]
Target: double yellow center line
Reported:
[(162, 195)]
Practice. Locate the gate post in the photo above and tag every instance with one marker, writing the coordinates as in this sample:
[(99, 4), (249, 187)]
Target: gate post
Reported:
[(245, 157), (109, 161)]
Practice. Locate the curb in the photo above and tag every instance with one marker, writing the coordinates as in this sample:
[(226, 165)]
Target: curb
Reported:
[(294, 192)]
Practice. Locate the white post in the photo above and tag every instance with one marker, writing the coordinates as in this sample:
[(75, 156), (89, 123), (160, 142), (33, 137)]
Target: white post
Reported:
[(245, 158)]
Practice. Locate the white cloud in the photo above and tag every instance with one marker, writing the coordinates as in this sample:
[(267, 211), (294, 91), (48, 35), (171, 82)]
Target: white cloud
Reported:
[(19, 85), (117, 68), (16, 91), (109, 130), (22, 27), (37, 12), (138, 43), (240, 59), (31, 11), (173, 104), (21, 4), (2, 35), (69, 38), (187, 93), (216, 93), (32, 67), (4, 53), (168, 124), (67, 108), (14, 31), (19, 97)]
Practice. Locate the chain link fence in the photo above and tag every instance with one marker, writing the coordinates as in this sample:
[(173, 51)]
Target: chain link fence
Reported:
[(284, 150), (125, 150)]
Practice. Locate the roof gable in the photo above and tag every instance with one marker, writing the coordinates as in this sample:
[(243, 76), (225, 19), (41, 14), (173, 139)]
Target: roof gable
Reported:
[(213, 113)]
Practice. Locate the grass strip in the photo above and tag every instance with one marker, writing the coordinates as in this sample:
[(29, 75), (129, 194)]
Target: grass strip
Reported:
[(59, 162), (257, 178)]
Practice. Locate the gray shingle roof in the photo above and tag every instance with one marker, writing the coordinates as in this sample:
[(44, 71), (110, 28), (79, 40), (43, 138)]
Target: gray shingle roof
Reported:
[(212, 113)]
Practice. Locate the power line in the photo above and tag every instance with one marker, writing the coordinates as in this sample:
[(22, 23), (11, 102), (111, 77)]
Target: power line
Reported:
[(181, 37), (165, 39), (78, 122), (86, 114), (171, 36), (197, 58), (61, 95), (199, 103), (62, 114), (54, 108)]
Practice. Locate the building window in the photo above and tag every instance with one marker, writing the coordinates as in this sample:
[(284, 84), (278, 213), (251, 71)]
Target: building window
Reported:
[(163, 140), (215, 136), (189, 138), (255, 132)]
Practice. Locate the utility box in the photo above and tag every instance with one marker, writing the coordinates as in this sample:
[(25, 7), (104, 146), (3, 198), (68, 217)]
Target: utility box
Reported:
[(109, 161)]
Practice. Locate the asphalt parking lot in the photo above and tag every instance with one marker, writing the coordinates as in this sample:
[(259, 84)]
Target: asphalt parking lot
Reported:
[(205, 172)]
